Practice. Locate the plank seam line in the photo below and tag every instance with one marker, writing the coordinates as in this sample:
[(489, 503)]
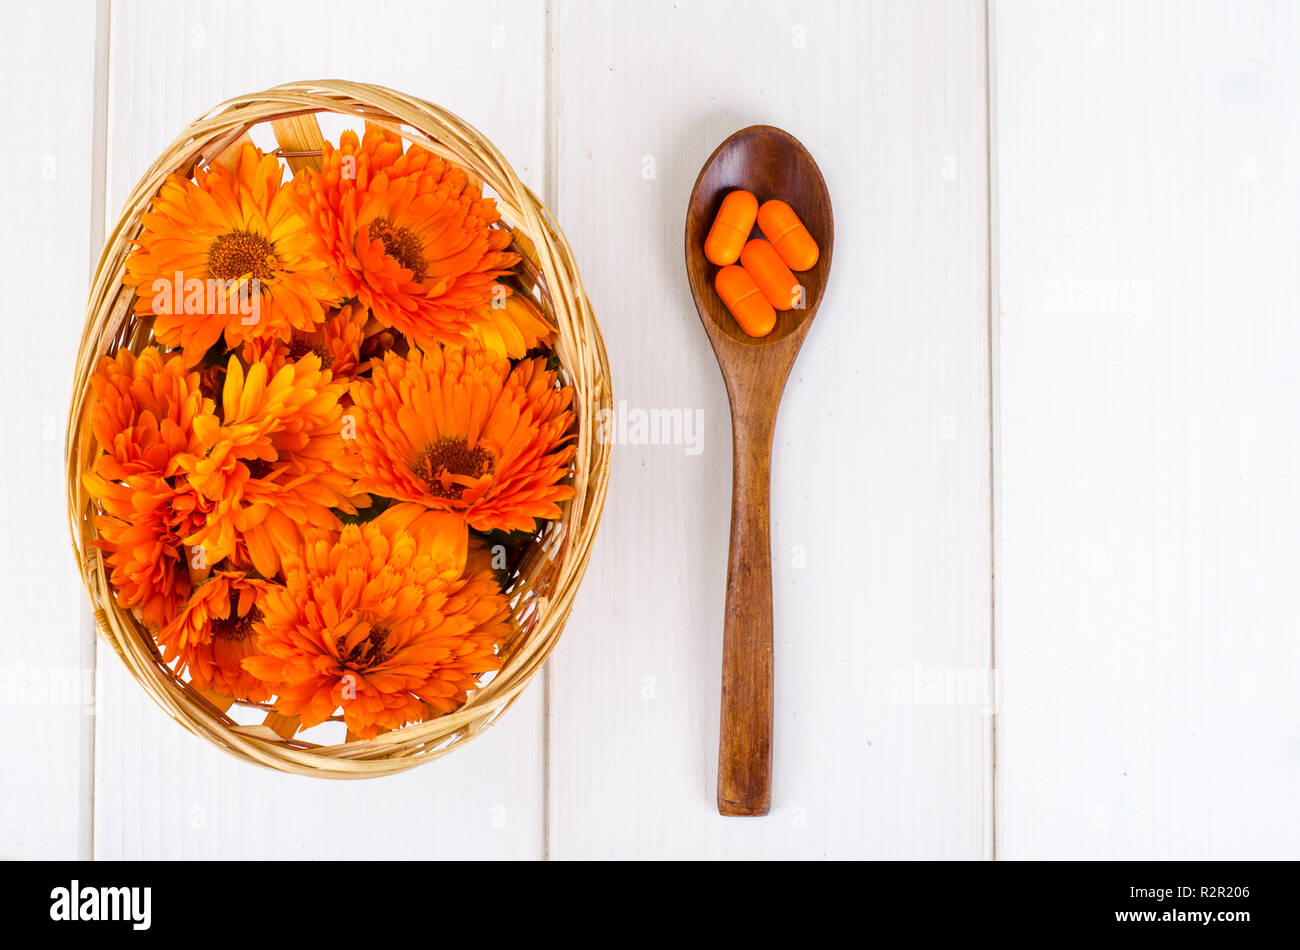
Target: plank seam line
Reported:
[(550, 183), (98, 219), (993, 327)]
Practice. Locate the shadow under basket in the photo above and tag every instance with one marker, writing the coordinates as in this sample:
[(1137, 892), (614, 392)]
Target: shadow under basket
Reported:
[(544, 581)]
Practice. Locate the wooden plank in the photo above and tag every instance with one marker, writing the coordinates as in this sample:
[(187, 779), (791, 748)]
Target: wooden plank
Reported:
[(47, 673), (881, 495), (1148, 216), (159, 791)]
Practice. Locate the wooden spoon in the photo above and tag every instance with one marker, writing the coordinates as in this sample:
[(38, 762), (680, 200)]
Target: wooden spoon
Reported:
[(771, 164)]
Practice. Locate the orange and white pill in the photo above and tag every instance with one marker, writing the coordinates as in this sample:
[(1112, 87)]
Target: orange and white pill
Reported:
[(745, 301), (782, 227), (731, 227), (764, 264)]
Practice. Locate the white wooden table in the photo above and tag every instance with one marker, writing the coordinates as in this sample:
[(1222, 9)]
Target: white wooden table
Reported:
[(1057, 370)]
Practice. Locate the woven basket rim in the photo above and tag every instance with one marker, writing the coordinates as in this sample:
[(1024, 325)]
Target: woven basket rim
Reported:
[(546, 584)]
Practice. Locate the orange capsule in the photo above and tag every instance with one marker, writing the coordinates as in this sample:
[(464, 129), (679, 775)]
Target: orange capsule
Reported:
[(764, 264), (782, 227), (731, 227), (745, 301)]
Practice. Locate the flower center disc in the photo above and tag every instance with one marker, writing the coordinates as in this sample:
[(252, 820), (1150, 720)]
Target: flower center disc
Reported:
[(370, 651), (257, 468), (235, 627), (448, 457), (300, 348), (237, 253), (401, 244)]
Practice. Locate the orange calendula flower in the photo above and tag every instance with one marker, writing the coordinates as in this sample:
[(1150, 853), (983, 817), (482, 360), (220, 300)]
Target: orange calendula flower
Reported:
[(215, 632), (444, 532), (142, 532), (371, 622), (143, 412), (229, 253), (452, 429), (337, 342), (270, 465), (408, 234)]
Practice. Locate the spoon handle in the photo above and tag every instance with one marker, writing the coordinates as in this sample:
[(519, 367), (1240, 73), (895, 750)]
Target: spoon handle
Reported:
[(745, 748)]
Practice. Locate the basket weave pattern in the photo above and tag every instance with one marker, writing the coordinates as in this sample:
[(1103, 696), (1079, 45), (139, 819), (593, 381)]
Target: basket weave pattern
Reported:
[(543, 586)]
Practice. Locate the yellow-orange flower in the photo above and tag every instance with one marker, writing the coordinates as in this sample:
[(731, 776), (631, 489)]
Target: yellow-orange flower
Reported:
[(408, 235), (454, 429), (270, 465), (215, 632), (229, 253), (371, 622), (513, 329)]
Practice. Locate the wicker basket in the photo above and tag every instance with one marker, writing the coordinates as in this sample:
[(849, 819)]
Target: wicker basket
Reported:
[(543, 585)]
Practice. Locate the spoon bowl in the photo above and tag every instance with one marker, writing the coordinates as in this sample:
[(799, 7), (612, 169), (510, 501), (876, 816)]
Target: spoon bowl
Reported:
[(770, 163)]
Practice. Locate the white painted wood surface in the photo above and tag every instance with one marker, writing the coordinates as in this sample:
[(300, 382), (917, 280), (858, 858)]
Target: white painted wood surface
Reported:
[(46, 641), (880, 493), (1141, 438), (1148, 222)]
